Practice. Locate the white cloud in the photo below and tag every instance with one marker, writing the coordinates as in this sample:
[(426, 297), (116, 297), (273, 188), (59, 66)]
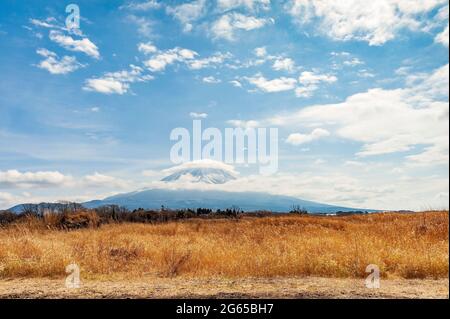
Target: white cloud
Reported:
[(284, 64), (298, 139), (226, 5), (117, 82), (186, 54), (227, 25), (39, 182), (442, 37), (152, 173), (340, 54), (310, 82), (106, 86), (319, 162), (309, 78), (344, 58), (354, 164), (306, 91), (216, 59), (211, 80), (144, 25), (375, 22), (244, 124), (262, 56), (54, 24), (53, 64), (389, 121), (206, 163), (195, 115), (84, 45), (147, 48), (188, 13), (365, 74), (353, 62), (160, 61), (260, 52), (441, 20), (142, 6), (100, 180), (16, 179), (434, 85), (435, 154), (272, 86), (236, 83), (48, 23), (7, 200)]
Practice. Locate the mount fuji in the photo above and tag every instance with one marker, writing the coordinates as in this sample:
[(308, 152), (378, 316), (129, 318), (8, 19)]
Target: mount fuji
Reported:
[(183, 199), (171, 194), (209, 172)]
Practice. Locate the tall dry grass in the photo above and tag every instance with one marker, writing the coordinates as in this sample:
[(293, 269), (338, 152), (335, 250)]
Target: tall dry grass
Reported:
[(402, 245)]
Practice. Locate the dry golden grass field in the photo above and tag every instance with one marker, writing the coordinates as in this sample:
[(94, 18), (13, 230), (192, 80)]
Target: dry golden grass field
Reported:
[(285, 251)]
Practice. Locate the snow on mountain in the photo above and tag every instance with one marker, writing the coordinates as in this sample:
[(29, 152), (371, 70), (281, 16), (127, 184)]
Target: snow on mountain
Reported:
[(204, 171)]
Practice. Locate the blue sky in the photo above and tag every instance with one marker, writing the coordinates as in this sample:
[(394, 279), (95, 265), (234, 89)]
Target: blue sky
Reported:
[(358, 91)]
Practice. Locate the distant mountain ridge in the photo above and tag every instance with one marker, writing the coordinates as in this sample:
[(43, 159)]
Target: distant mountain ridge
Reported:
[(180, 199), (154, 199)]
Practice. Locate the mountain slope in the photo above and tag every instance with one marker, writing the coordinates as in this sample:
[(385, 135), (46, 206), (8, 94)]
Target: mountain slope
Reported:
[(179, 199)]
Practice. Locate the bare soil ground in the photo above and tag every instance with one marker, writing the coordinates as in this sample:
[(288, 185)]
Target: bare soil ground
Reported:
[(290, 288)]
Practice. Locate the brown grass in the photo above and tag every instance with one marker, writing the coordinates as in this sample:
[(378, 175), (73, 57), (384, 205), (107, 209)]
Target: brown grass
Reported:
[(402, 245)]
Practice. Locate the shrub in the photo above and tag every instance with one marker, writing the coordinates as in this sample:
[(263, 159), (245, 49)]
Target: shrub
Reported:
[(79, 220), (296, 209)]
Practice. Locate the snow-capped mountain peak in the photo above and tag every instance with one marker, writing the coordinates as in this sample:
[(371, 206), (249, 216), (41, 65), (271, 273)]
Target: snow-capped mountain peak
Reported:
[(205, 171)]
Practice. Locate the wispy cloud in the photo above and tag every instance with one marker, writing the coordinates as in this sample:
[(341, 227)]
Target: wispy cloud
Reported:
[(211, 80), (298, 139), (188, 13), (162, 59), (142, 5), (376, 23), (82, 45), (144, 25), (195, 115), (117, 82), (55, 65), (310, 82), (251, 5), (16, 179), (272, 86), (284, 64), (227, 25)]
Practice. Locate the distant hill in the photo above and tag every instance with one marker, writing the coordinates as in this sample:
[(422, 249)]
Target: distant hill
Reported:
[(56, 207)]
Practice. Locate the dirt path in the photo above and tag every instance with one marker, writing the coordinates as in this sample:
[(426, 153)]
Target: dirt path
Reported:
[(221, 288)]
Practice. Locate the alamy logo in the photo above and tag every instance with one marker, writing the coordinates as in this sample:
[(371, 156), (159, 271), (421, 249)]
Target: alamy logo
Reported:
[(373, 280), (73, 279), (73, 19), (236, 146)]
